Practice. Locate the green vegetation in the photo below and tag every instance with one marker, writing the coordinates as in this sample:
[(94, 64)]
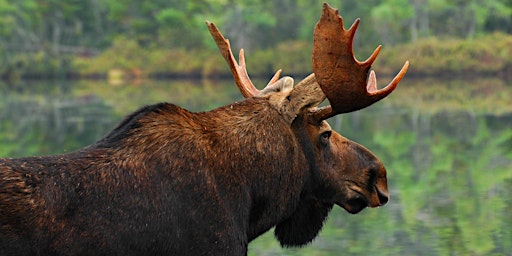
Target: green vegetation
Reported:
[(488, 54), (49, 38)]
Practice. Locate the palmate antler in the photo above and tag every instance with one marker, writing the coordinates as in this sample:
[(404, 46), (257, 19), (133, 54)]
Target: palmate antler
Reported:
[(337, 74), (239, 71), (343, 79)]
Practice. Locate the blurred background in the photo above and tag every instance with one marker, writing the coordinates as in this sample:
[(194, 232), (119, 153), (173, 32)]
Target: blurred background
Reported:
[(71, 69)]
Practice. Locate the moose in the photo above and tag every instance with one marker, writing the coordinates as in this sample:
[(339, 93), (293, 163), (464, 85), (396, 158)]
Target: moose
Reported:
[(167, 181)]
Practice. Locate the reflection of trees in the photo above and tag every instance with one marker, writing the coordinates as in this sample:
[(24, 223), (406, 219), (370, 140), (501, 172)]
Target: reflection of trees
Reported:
[(421, 157), (194, 95), (503, 237), (47, 118), (46, 125)]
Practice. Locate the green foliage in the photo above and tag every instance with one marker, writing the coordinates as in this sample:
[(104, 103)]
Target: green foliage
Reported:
[(293, 57), (488, 54), (69, 30), (125, 54), (390, 20)]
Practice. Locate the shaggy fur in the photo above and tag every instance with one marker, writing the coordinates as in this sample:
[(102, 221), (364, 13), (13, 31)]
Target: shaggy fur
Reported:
[(167, 181)]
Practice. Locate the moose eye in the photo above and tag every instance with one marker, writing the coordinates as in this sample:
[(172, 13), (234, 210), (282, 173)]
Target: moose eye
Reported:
[(325, 137)]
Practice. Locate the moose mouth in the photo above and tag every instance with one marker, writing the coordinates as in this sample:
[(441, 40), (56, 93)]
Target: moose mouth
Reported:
[(355, 201), (355, 204)]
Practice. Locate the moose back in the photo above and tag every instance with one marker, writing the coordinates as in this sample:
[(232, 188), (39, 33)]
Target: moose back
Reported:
[(167, 181)]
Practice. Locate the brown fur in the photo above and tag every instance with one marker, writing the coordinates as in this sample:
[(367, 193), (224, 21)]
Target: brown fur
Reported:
[(168, 181)]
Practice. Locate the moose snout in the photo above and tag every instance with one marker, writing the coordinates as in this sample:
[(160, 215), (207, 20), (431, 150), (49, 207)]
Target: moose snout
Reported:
[(379, 197), (379, 193), (383, 196)]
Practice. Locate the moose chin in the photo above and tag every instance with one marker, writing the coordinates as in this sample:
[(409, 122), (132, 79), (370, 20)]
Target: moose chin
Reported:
[(167, 181)]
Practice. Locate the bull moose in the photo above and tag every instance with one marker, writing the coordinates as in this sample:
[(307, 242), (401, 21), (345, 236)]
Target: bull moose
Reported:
[(167, 181)]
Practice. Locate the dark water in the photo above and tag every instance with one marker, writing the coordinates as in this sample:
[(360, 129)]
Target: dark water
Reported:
[(447, 146)]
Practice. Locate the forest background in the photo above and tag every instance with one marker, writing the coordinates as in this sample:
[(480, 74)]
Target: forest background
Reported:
[(166, 39)]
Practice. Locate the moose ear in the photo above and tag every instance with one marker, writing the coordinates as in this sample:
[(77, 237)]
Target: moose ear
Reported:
[(278, 95), (289, 100), (281, 86)]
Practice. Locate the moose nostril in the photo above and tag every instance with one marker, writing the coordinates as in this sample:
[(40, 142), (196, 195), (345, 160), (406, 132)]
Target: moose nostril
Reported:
[(383, 197)]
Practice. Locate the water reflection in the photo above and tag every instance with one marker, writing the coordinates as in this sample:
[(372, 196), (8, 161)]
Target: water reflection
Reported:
[(447, 146)]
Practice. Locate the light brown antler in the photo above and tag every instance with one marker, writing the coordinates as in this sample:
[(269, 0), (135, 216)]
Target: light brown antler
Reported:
[(239, 71), (344, 80)]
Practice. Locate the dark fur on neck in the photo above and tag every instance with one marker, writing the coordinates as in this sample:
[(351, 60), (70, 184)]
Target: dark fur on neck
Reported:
[(304, 224)]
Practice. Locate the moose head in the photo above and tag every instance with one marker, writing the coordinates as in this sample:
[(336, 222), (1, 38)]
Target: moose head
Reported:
[(167, 181), (355, 176)]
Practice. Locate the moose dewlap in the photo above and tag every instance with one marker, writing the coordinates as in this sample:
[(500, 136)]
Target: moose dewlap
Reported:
[(167, 181)]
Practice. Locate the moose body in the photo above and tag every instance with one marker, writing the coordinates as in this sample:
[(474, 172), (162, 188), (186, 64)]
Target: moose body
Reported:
[(167, 181), (164, 181)]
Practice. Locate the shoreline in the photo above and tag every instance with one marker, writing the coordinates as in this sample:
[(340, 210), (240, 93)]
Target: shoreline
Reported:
[(487, 55)]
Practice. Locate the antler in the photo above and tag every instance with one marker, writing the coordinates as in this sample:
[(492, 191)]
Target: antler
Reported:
[(239, 71), (343, 79)]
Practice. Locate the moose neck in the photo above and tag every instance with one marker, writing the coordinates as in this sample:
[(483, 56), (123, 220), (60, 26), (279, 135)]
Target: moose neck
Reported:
[(305, 218), (303, 225)]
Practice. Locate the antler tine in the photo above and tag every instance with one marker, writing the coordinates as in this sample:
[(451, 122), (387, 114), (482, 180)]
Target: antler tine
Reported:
[(238, 70), (274, 78), (368, 62), (380, 94), (346, 82)]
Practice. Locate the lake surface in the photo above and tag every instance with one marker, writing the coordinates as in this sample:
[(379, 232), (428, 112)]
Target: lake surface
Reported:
[(447, 146)]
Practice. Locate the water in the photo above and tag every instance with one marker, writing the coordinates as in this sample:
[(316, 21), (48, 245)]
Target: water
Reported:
[(447, 146)]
